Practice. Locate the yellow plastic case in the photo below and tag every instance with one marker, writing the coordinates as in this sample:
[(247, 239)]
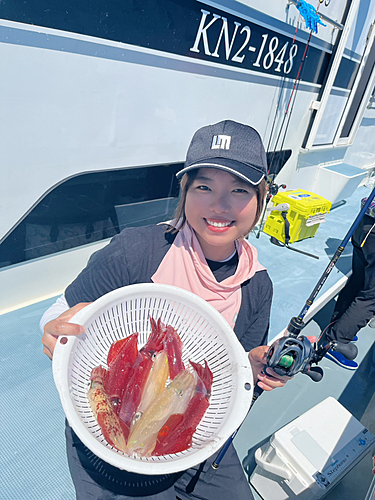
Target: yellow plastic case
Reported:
[(307, 211)]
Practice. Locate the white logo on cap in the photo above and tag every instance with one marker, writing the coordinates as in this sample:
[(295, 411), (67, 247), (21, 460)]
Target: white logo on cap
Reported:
[(221, 142)]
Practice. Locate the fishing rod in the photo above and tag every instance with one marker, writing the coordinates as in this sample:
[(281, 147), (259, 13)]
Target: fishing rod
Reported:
[(294, 353), (273, 188), (312, 20)]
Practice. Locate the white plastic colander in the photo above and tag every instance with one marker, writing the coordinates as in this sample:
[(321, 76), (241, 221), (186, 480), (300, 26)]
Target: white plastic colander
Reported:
[(205, 336)]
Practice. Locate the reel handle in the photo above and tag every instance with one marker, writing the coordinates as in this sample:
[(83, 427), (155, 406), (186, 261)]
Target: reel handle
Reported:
[(315, 373)]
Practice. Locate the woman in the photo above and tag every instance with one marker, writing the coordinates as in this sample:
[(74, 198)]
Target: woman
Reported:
[(204, 251)]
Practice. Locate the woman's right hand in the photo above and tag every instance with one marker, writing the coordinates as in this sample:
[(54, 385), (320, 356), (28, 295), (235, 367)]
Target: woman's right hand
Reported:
[(61, 326)]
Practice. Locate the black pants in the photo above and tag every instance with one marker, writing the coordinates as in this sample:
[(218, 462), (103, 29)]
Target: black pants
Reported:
[(356, 302), (94, 479)]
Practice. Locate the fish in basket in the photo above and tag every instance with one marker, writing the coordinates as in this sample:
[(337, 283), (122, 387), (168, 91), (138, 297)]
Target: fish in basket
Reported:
[(143, 413)]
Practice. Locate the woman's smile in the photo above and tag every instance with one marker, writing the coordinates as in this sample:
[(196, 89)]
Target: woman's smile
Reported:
[(218, 225), (221, 208)]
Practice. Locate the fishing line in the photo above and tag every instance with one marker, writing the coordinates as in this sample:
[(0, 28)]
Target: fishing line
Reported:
[(276, 113), (324, 331), (280, 97), (293, 94)]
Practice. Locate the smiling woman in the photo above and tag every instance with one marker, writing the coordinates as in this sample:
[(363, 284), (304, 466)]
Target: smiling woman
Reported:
[(223, 188)]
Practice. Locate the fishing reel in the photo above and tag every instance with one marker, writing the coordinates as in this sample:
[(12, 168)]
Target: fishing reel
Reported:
[(273, 188), (294, 353), (291, 355)]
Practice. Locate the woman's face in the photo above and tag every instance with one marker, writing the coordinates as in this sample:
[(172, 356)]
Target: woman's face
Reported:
[(220, 207)]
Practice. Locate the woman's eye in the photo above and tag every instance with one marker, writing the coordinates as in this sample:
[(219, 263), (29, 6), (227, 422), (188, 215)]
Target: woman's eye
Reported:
[(203, 188), (239, 190)]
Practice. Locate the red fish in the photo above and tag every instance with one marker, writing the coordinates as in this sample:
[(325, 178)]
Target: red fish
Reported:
[(172, 400), (107, 419), (139, 373), (173, 348), (177, 433), (133, 389), (155, 340), (116, 348), (205, 374), (119, 370)]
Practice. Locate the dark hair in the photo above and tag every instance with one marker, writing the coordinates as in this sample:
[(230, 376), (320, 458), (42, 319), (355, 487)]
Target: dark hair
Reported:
[(188, 179)]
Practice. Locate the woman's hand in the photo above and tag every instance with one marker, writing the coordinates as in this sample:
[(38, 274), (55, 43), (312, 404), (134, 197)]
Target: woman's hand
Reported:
[(258, 361), (60, 326)]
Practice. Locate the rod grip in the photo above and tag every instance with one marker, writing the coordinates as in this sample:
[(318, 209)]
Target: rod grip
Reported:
[(349, 351), (257, 392)]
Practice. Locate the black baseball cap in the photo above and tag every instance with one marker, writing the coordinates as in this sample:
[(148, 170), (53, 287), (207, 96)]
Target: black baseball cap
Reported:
[(230, 146)]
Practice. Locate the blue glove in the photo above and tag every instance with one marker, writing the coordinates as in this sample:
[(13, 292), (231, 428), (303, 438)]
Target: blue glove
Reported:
[(311, 17)]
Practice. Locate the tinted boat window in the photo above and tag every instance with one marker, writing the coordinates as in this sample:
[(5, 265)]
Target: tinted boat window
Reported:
[(92, 207)]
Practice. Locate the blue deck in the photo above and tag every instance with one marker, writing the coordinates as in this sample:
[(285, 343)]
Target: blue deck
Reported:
[(32, 460)]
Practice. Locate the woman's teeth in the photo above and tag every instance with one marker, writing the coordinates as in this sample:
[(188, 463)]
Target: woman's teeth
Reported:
[(219, 224)]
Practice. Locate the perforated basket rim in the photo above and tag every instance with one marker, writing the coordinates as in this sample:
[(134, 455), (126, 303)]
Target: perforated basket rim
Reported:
[(240, 398)]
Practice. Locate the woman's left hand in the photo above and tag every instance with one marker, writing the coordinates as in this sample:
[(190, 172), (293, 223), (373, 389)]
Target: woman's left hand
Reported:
[(270, 380), (258, 361)]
